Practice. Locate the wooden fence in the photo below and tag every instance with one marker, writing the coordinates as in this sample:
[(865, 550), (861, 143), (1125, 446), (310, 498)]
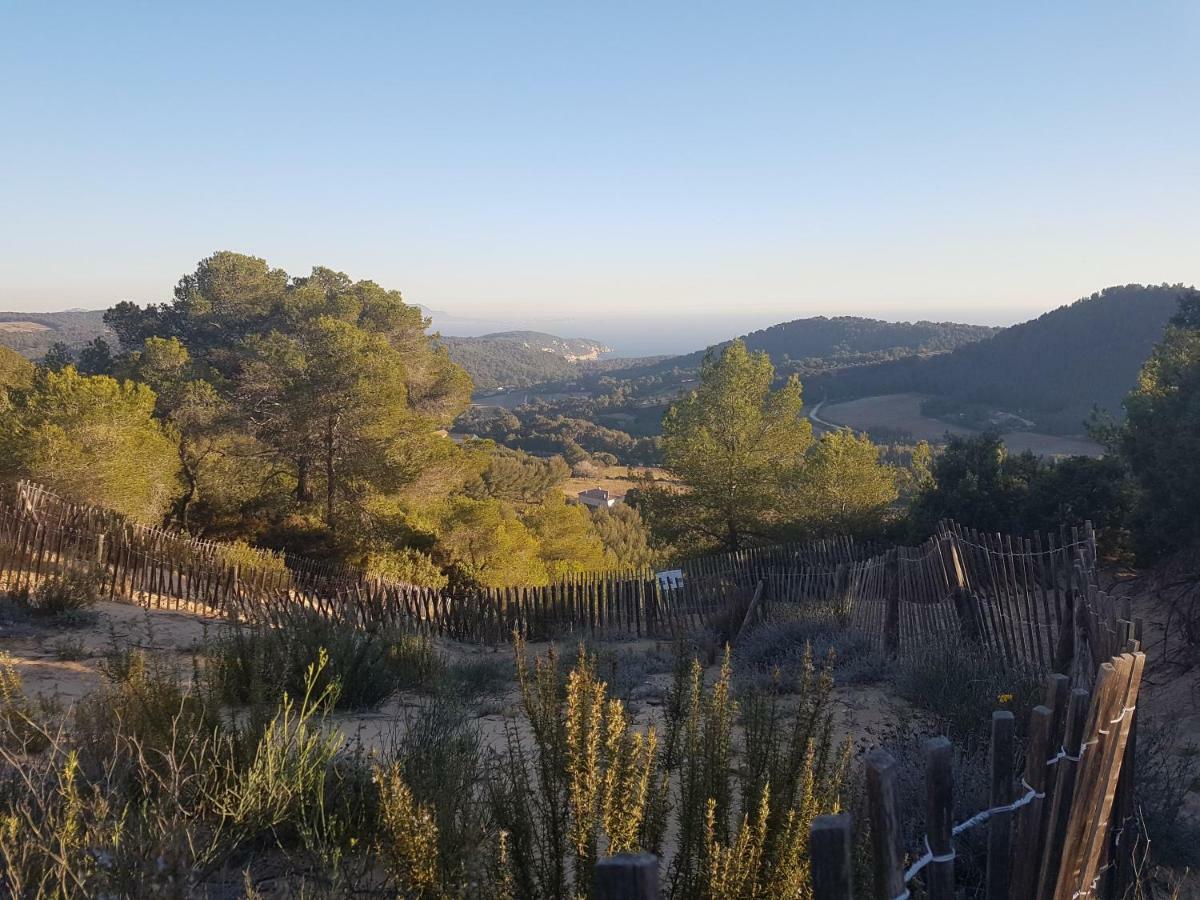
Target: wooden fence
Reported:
[(1062, 830), (1030, 601), (1010, 595), (43, 536), (1059, 828)]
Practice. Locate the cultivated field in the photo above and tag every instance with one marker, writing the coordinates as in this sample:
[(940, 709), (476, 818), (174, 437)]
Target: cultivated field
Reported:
[(902, 412)]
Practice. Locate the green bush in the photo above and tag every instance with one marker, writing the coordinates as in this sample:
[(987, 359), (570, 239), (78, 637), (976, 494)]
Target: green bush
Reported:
[(69, 650), (144, 709), (477, 678), (24, 724), (150, 794), (441, 758), (414, 663), (253, 664), (65, 596)]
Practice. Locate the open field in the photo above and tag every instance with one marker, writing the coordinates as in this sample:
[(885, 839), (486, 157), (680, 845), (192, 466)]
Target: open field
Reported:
[(22, 327), (617, 479), (902, 412)]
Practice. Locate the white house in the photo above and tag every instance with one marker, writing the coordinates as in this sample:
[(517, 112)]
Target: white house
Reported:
[(599, 497)]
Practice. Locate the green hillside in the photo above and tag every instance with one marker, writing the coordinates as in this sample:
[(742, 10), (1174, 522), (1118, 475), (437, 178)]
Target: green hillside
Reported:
[(1052, 370), (847, 337), (803, 346), (519, 359), (31, 334)]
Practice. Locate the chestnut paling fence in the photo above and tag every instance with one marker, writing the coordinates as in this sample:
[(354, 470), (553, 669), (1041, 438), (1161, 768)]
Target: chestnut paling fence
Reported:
[(1062, 828), (1061, 824), (1009, 594), (1057, 829)]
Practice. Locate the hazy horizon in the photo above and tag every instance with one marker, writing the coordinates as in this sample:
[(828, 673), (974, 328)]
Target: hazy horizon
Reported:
[(635, 334), (946, 162)]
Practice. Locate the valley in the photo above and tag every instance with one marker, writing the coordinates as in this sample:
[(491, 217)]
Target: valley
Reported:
[(892, 417)]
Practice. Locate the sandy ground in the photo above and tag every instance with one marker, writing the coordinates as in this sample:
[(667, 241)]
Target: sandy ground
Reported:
[(903, 412), (38, 652), (1169, 696)]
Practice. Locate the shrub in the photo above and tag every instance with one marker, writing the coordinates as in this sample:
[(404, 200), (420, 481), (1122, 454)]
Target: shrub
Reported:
[(69, 650), (409, 836), (475, 678), (773, 652), (440, 758), (160, 815), (414, 663), (22, 722), (791, 773), (586, 780), (252, 559), (284, 782), (407, 565), (65, 596), (961, 685), (145, 704), (258, 663)]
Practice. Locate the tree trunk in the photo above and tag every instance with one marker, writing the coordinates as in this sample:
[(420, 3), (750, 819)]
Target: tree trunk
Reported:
[(179, 509), (330, 489), (303, 488)]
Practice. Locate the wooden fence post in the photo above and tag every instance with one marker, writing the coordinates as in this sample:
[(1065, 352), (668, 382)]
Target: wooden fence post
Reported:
[(1107, 731), (891, 623), (1064, 793), (884, 809), (999, 834), (751, 612), (1029, 816), (1102, 791), (939, 817), (627, 876), (966, 606), (829, 847)]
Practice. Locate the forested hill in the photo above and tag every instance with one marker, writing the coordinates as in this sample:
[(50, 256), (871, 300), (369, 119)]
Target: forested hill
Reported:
[(31, 334), (568, 348), (820, 337), (517, 359), (820, 343), (1052, 369)]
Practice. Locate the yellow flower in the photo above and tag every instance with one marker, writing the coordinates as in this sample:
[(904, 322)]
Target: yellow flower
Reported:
[(1005, 698)]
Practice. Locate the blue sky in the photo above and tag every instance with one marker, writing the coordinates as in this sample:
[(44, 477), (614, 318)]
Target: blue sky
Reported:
[(969, 161)]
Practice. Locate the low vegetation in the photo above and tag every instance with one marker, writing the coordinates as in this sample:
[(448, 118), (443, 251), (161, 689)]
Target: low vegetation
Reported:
[(65, 599), (181, 782), (960, 685)]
